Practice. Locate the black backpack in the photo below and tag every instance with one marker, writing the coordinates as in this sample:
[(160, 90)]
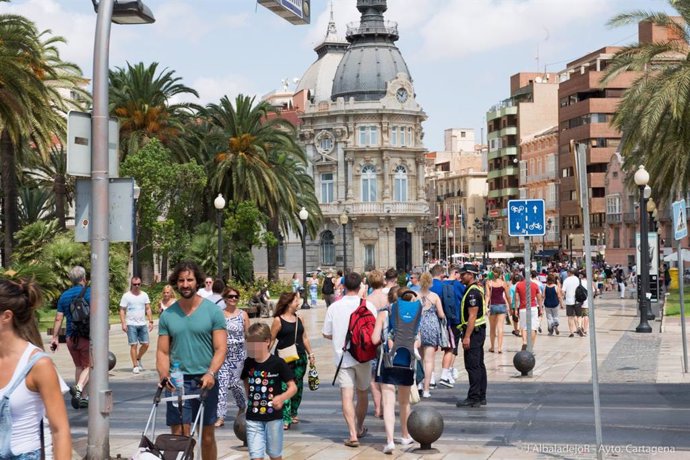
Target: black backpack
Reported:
[(80, 312), (580, 293), (328, 288)]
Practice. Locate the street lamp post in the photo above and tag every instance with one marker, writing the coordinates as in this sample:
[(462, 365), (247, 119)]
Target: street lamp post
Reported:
[(343, 221), (219, 204), (408, 247), (570, 240), (543, 237), (303, 216), (484, 226), (641, 180), (449, 246), (135, 249), (124, 12)]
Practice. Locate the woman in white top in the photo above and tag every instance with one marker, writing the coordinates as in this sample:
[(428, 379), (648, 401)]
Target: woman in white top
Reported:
[(167, 299), (34, 391)]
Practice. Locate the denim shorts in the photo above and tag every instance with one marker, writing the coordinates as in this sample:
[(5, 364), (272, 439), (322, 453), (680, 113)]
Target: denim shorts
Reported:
[(33, 455), (265, 438), (192, 386), (498, 309), (137, 334)]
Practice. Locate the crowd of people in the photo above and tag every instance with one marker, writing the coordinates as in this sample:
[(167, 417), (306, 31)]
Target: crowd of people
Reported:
[(204, 333)]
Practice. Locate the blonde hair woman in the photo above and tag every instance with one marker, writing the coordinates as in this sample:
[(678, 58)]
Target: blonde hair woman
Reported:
[(430, 328), (167, 298)]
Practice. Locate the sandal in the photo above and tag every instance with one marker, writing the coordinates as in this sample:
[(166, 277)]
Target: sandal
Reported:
[(295, 420), (491, 350), (351, 443), (286, 426), (363, 433), (219, 423)]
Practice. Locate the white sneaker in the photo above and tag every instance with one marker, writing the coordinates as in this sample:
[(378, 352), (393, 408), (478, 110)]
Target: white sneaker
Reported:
[(420, 386), (141, 368), (426, 394), (135, 369), (455, 373), (406, 441), (451, 379), (389, 448)]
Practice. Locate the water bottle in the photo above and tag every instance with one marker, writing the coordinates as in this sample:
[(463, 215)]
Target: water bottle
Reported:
[(177, 379)]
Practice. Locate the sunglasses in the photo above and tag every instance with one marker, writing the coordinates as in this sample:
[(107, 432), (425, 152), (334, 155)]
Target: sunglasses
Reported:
[(136, 284), (231, 296)]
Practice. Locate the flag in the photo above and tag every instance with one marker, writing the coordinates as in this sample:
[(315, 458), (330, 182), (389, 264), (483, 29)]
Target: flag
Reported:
[(462, 218), (455, 216), (440, 216), (447, 218)]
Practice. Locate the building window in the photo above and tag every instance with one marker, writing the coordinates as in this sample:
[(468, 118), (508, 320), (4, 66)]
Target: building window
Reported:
[(368, 136), (394, 135), (400, 184), (326, 143), (369, 257), (616, 237), (410, 141), (327, 188), (281, 251), (368, 183), (462, 134), (613, 204), (403, 143), (327, 248)]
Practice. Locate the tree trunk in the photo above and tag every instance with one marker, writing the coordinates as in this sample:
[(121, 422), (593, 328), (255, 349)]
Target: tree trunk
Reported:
[(145, 255), (59, 189), (273, 227), (9, 193), (164, 267)]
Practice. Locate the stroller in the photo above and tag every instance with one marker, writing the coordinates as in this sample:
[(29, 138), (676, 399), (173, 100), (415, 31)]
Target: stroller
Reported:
[(169, 446)]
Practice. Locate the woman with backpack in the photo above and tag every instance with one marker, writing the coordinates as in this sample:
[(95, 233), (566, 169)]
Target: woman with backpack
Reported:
[(288, 331), (30, 388), (396, 365)]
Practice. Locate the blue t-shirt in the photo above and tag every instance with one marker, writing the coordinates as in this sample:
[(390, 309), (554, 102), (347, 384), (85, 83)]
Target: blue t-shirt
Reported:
[(66, 299)]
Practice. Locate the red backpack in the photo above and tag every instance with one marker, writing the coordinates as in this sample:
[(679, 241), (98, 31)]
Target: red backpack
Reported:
[(358, 339)]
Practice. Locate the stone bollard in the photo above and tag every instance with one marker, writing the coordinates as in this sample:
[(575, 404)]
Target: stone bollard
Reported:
[(112, 360), (524, 362), (425, 425), (240, 428)]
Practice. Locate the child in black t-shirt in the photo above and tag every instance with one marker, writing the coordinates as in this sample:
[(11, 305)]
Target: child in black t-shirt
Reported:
[(264, 375)]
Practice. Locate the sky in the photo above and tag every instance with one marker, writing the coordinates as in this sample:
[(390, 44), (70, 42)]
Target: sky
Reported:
[(461, 53)]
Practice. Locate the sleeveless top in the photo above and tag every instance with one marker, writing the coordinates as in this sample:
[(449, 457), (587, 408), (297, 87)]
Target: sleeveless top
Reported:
[(286, 335), (235, 328), (550, 297), (27, 410), (497, 296)]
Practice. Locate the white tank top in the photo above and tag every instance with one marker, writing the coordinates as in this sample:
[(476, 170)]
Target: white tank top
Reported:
[(27, 410)]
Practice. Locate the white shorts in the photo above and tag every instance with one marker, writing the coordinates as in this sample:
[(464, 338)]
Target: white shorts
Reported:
[(358, 376), (535, 318)]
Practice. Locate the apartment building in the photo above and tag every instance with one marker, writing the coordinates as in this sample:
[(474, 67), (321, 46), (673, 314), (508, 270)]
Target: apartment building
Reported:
[(531, 108)]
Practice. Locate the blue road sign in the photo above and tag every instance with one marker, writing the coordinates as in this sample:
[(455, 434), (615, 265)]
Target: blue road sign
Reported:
[(680, 225), (526, 218)]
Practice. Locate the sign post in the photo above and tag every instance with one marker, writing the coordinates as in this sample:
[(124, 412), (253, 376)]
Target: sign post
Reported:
[(680, 231), (527, 218)]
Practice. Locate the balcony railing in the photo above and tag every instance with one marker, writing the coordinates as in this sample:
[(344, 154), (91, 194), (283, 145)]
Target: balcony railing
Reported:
[(630, 217), (388, 28), (614, 218), (375, 208)]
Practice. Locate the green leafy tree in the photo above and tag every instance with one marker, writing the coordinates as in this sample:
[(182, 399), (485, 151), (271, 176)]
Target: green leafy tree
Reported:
[(141, 97), (50, 173), (169, 190), (654, 114)]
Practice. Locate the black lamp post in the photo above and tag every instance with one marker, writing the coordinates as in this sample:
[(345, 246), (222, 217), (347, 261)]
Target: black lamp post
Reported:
[(219, 204), (135, 249), (543, 237), (408, 247), (303, 216), (485, 225), (343, 221), (641, 180)]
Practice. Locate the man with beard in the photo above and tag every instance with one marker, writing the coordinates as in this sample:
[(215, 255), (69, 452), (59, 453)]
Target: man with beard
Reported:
[(192, 333)]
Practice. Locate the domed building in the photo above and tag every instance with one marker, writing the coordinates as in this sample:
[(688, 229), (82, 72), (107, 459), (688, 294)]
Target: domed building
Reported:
[(362, 130)]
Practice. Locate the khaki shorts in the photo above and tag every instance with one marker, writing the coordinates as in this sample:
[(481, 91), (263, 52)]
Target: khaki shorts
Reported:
[(358, 376)]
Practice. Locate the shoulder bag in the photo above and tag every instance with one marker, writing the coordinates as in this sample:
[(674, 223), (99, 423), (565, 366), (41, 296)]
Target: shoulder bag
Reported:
[(290, 354)]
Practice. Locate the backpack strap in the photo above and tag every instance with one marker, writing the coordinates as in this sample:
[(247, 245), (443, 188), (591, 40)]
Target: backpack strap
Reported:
[(24, 372), (83, 292)]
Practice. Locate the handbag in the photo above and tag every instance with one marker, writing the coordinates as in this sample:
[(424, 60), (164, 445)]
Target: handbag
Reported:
[(290, 354), (414, 393), (313, 378), (444, 340)]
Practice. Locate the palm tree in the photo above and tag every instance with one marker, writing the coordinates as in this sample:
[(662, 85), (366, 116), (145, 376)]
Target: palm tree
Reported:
[(50, 173), (654, 113), (142, 98), (258, 159)]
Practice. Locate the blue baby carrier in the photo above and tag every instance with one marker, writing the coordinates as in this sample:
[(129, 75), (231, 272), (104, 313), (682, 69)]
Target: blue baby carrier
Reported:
[(404, 318)]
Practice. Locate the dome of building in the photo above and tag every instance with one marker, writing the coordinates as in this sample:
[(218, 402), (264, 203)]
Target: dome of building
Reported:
[(318, 79), (372, 59)]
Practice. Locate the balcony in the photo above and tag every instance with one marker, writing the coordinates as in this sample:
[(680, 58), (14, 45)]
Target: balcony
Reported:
[(504, 152), (376, 208), (494, 193), (501, 110), (630, 217), (510, 191), (616, 218)]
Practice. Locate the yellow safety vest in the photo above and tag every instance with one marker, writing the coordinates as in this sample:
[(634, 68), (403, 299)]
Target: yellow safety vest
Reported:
[(481, 316)]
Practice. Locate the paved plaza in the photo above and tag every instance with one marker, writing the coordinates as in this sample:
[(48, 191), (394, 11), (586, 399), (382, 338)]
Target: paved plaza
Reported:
[(645, 405)]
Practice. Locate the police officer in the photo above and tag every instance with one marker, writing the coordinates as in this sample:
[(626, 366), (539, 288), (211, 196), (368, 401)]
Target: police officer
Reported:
[(473, 326)]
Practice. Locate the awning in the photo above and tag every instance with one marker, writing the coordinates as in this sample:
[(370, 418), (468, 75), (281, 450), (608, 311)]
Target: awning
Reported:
[(505, 255)]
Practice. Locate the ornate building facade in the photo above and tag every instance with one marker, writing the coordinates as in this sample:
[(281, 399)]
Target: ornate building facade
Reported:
[(362, 130)]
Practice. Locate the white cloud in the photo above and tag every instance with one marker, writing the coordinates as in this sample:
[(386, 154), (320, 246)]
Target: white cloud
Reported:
[(459, 29), (211, 89)]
